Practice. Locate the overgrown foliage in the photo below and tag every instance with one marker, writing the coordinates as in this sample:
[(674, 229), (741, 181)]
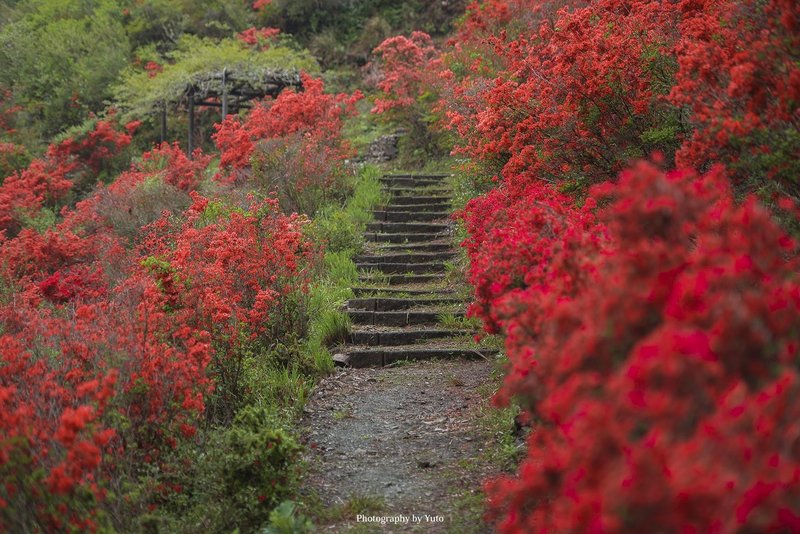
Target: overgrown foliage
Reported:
[(62, 59), (650, 314), (344, 32), (654, 344), (58, 60), (291, 146), (159, 331), (407, 73), (153, 334), (31, 197), (143, 90)]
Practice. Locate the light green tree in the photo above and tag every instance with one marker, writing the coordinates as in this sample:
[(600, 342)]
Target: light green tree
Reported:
[(59, 58), (138, 94)]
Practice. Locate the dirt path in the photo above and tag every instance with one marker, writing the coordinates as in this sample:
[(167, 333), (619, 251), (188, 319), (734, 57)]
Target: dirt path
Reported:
[(401, 442), (403, 433)]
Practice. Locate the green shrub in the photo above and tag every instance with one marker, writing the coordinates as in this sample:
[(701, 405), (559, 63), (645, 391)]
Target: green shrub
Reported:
[(341, 229), (286, 520), (336, 230), (334, 326), (258, 461), (231, 481)]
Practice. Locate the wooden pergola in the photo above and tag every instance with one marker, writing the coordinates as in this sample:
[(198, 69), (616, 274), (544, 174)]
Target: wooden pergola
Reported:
[(229, 90)]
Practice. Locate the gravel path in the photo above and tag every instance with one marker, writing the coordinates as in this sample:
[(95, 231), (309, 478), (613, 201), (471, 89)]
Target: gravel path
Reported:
[(400, 442)]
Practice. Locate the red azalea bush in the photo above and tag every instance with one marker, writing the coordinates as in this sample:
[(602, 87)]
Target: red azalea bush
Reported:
[(95, 383), (292, 112), (408, 65), (47, 182), (227, 272), (178, 169), (656, 348), (291, 146), (163, 335), (101, 385), (99, 145), (259, 38), (408, 72), (651, 321), (533, 240), (8, 110), (573, 91), (153, 68), (128, 319), (161, 181), (739, 76), (568, 100), (51, 451)]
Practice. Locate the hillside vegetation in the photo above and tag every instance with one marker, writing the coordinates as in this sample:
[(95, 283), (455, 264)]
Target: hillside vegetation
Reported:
[(634, 238)]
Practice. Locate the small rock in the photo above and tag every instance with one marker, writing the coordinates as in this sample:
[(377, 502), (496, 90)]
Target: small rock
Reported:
[(383, 149), (341, 360)]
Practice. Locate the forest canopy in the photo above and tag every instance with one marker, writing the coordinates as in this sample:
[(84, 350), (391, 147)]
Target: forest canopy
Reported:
[(61, 60)]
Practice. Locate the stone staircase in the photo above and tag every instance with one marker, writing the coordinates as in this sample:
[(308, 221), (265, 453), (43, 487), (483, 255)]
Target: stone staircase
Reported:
[(403, 309)]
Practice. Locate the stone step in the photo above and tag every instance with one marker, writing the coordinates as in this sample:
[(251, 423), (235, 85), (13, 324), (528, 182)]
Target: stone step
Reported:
[(411, 182), (407, 227), (418, 192), (417, 200), (394, 304), (399, 318), (359, 356), (400, 279), (402, 267), (406, 257), (410, 216), (360, 291), (402, 237), (388, 336), (429, 176), (397, 308), (417, 208), (416, 247)]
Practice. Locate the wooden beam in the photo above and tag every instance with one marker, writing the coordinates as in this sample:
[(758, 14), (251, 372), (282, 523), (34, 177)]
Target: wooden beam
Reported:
[(232, 105), (164, 122), (189, 146), (224, 93)]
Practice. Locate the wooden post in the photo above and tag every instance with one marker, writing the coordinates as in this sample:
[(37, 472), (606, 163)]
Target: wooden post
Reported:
[(190, 144), (224, 93), (163, 122)]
